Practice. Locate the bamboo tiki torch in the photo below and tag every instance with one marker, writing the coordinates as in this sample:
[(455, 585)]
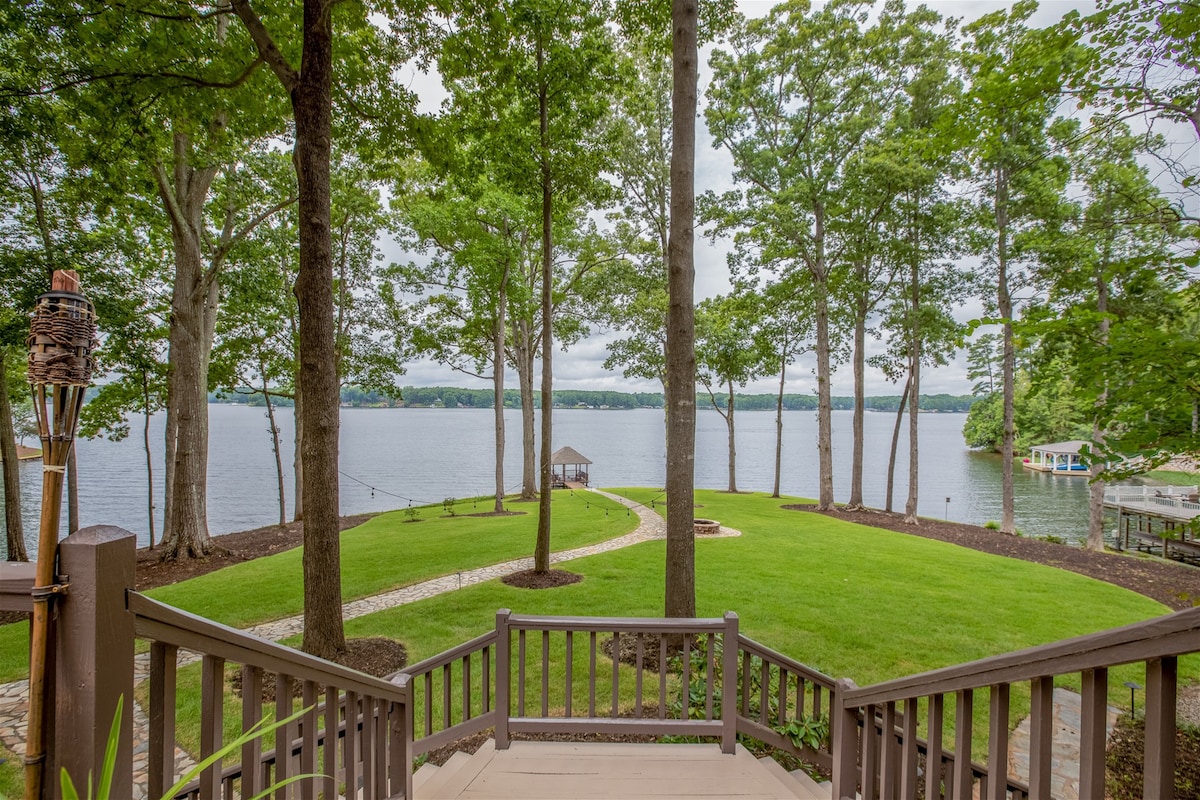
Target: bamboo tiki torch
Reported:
[(61, 339)]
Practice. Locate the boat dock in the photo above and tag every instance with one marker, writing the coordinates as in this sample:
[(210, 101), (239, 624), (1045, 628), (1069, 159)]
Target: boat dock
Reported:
[(1157, 519)]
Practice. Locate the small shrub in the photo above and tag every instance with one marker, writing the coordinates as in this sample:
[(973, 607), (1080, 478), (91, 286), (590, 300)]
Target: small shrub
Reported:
[(992, 525), (1052, 539), (412, 514), (448, 505)]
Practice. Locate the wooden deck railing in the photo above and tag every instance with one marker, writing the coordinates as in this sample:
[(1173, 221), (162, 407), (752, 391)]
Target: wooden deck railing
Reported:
[(887, 766), (572, 675), (354, 731)]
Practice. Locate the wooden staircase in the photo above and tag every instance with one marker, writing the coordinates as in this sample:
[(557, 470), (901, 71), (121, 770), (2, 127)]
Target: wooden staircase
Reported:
[(612, 770)]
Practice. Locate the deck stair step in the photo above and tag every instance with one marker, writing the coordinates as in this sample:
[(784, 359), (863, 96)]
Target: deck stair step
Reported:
[(818, 788), (458, 771), (801, 791), (423, 774)]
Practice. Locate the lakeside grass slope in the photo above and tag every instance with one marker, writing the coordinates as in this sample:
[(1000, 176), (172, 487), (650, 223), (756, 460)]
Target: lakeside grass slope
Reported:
[(850, 600), (382, 554)]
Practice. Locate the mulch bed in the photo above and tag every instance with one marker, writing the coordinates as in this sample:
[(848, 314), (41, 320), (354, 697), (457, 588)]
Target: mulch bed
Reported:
[(532, 579), (1176, 586), (230, 548)]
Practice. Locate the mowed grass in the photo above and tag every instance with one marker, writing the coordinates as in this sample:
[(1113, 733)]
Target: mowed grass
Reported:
[(850, 600), (382, 554)]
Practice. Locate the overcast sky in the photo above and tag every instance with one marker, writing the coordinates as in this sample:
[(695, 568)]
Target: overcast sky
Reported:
[(582, 366)]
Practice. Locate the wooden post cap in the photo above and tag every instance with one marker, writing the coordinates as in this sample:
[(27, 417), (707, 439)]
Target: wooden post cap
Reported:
[(65, 280)]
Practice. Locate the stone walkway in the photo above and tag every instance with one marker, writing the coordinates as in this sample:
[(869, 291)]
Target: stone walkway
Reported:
[(1064, 751), (14, 697)]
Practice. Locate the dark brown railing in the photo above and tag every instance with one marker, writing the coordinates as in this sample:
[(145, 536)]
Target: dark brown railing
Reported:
[(353, 733), (572, 675), (881, 766)]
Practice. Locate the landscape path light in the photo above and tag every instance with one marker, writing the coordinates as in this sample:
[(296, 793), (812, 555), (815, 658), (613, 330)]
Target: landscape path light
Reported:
[(62, 336)]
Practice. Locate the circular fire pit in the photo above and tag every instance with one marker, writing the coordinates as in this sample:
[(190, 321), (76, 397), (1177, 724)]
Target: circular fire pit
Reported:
[(703, 527)]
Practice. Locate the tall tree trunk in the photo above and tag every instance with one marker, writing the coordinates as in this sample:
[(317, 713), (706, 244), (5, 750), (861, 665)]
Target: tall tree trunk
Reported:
[(1095, 537), (914, 394), (149, 454), (732, 443), (680, 589), (13, 527), (891, 473), (498, 387), (298, 453), (541, 553), (824, 373), (1008, 366), (856, 464), (324, 635), (275, 449), (186, 531), (523, 350), (779, 425), (184, 195)]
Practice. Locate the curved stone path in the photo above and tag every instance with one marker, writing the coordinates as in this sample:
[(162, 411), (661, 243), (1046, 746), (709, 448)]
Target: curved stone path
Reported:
[(14, 696)]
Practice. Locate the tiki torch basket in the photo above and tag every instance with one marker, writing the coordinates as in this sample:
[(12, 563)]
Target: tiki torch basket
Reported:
[(62, 336), (61, 339)]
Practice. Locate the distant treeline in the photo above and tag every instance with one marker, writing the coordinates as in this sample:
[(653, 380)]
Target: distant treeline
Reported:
[(451, 397)]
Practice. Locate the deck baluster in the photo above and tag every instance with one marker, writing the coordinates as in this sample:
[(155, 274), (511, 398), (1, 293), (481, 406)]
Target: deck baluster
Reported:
[(162, 718), (964, 717), (1159, 780), (252, 686), (908, 751), (545, 674), (212, 706), (284, 735), (1041, 736), (998, 745), (1093, 734), (351, 741)]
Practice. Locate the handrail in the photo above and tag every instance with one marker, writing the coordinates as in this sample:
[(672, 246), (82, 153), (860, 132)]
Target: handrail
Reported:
[(619, 624), (446, 657), (169, 625), (1162, 636), (793, 666)]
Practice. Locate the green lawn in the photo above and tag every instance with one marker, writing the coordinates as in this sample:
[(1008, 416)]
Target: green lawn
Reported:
[(1175, 478), (382, 554), (850, 600)]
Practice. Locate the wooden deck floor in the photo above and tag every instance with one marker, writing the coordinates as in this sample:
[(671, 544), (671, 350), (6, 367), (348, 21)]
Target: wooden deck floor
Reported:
[(596, 771)]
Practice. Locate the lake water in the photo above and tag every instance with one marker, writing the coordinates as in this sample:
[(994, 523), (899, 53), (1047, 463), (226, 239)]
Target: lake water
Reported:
[(392, 456)]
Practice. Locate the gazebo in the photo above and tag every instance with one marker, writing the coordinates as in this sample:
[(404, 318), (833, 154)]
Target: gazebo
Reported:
[(572, 464)]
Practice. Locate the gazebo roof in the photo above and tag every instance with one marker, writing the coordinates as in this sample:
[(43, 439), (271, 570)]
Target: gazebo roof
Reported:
[(568, 455), (1061, 448)]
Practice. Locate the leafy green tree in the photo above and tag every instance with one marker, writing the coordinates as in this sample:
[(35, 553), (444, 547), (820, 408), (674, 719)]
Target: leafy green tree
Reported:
[(481, 240), (1015, 76), (1117, 265), (367, 77), (727, 355), (784, 335), (538, 74), (801, 92)]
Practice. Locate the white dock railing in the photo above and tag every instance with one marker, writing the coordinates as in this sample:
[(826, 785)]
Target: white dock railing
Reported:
[(1176, 499)]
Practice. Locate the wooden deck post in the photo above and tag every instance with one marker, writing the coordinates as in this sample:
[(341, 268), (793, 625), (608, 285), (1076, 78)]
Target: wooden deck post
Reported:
[(94, 658), (845, 742), (503, 679), (729, 684)]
